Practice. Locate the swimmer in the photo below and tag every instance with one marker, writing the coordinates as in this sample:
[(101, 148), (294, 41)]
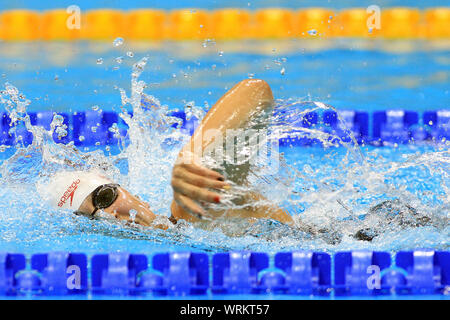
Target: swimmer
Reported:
[(194, 185)]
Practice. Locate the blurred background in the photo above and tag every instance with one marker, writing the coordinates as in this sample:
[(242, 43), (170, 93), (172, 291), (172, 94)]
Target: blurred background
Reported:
[(215, 4), (357, 72)]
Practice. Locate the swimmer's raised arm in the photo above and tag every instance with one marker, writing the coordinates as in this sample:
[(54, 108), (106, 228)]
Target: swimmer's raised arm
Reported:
[(192, 183), (233, 110)]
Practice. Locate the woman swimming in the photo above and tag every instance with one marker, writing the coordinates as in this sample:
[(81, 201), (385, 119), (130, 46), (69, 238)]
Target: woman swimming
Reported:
[(194, 185), (197, 188)]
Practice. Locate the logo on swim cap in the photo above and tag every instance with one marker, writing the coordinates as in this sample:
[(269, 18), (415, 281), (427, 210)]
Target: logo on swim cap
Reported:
[(69, 193), (68, 189)]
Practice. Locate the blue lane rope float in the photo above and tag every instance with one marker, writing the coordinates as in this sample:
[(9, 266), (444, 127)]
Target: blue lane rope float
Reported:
[(91, 128), (53, 270), (351, 270), (306, 272), (359, 272), (116, 271)]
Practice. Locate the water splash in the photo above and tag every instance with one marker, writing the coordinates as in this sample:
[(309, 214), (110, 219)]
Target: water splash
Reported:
[(334, 188)]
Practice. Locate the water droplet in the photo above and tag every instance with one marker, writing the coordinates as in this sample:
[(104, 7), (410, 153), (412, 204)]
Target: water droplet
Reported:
[(58, 120), (220, 53), (100, 61), (132, 214), (118, 42), (307, 168), (312, 32), (95, 108), (282, 71), (208, 42), (119, 59), (130, 54)]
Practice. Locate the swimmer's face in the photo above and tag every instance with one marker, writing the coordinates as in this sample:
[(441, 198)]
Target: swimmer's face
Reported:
[(126, 207)]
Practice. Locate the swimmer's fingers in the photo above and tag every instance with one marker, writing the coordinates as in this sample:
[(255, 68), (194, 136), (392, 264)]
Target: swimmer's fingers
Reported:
[(202, 171), (194, 192), (198, 180), (188, 205)]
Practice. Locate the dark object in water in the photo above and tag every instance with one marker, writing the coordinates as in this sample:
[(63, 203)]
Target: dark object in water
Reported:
[(388, 215), (385, 216), (366, 234), (272, 230)]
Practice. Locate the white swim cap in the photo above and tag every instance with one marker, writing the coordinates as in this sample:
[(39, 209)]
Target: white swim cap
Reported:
[(68, 190)]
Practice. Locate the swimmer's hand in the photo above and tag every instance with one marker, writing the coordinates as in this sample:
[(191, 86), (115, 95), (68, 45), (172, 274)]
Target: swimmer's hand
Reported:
[(192, 185)]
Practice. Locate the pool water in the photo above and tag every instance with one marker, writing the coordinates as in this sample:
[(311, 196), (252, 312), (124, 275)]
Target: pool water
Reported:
[(347, 74), (330, 187), (28, 224)]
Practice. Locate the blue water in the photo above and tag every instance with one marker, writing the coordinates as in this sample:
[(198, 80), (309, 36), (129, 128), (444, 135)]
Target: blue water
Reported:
[(69, 77), (29, 226), (361, 75)]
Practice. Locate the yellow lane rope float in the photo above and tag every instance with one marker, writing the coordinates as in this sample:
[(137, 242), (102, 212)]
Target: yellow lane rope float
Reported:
[(224, 24)]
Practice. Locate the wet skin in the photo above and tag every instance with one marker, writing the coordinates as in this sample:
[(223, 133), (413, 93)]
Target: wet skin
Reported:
[(121, 208), (194, 185)]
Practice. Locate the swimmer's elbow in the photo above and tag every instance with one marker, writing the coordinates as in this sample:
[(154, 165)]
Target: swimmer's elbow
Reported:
[(256, 83), (260, 86)]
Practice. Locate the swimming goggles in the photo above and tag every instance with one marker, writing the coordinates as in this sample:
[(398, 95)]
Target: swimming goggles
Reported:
[(104, 196)]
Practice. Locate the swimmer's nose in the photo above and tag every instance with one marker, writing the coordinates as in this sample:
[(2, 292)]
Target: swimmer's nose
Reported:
[(130, 208)]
